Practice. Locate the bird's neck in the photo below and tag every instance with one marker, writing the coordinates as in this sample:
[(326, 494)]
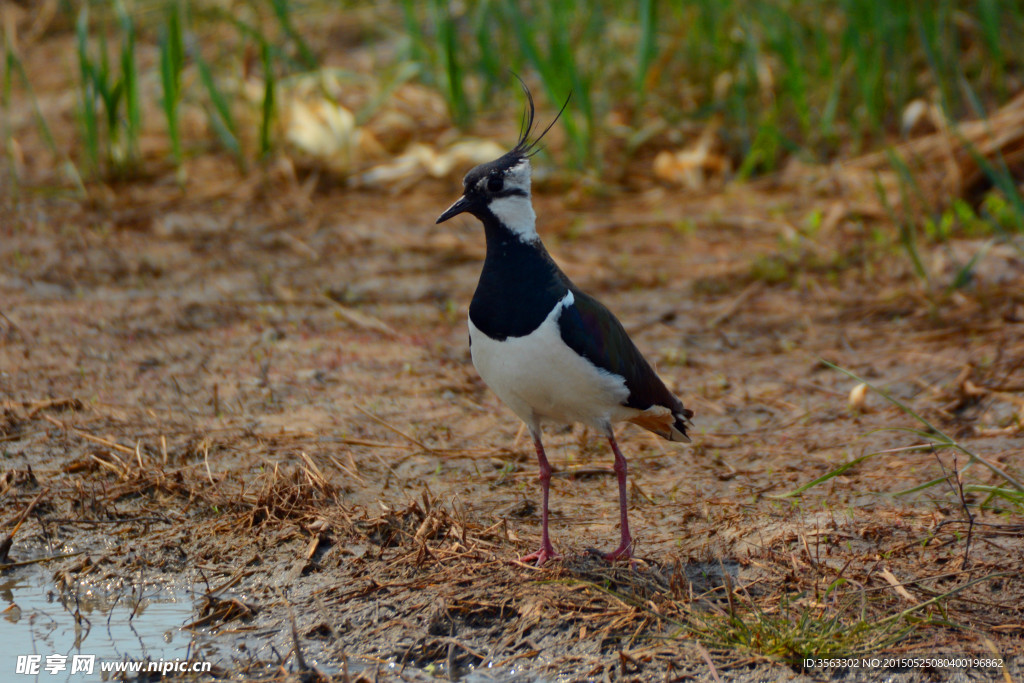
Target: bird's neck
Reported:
[(514, 215), (515, 264), (519, 284), (503, 240)]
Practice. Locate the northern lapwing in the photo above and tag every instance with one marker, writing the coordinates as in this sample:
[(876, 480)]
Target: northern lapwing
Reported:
[(548, 350)]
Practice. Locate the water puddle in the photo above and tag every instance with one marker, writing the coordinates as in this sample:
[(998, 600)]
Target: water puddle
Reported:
[(41, 638)]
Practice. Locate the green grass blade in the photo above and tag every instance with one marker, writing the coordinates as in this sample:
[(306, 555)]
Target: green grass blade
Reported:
[(856, 461), (906, 230), (948, 594), (12, 63), (90, 117), (390, 81), (494, 61), (647, 46), (825, 477), (269, 98), (927, 484), (220, 117), (447, 39), (283, 12), (999, 174), (551, 70), (172, 62), (937, 41), (1015, 497), (417, 47), (130, 79), (965, 274)]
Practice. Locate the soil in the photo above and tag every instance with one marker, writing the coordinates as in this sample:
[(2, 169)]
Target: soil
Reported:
[(257, 388)]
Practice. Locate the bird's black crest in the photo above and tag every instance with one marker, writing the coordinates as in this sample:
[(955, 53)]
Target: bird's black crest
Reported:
[(525, 148)]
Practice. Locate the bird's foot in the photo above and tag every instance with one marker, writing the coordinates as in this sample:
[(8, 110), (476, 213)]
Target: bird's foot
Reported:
[(545, 553), (623, 552), (618, 555)]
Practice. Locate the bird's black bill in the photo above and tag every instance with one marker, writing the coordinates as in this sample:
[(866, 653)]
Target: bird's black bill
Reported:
[(460, 206)]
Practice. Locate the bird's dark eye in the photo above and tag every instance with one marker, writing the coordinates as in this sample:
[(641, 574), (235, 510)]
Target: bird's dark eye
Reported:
[(495, 183)]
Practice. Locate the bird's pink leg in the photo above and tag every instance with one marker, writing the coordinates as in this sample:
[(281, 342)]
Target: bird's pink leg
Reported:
[(623, 552), (546, 552)]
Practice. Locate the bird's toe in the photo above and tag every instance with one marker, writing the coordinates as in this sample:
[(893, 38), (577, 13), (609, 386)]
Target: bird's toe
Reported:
[(540, 556)]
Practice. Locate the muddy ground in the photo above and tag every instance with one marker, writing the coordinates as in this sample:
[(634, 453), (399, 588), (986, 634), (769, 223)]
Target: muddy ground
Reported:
[(267, 397), (255, 389)]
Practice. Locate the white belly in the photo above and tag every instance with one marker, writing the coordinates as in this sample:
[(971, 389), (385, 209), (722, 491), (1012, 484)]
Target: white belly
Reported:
[(539, 377)]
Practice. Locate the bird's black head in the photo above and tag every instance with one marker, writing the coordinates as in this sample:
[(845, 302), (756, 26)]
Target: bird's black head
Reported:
[(503, 185)]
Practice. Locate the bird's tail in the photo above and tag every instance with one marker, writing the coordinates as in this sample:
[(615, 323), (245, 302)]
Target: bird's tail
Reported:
[(666, 423), (679, 425)]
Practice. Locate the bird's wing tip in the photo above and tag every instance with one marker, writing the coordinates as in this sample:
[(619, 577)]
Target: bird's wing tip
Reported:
[(679, 436)]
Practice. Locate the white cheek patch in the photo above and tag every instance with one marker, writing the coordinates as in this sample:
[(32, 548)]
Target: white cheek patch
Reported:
[(516, 212), (519, 176)]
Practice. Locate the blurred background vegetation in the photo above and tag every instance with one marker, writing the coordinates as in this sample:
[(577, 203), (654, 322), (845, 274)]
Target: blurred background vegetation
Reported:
[(820, 80), (735, 89)]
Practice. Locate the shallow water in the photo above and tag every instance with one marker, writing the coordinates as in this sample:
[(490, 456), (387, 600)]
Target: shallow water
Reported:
[(112, 628)]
